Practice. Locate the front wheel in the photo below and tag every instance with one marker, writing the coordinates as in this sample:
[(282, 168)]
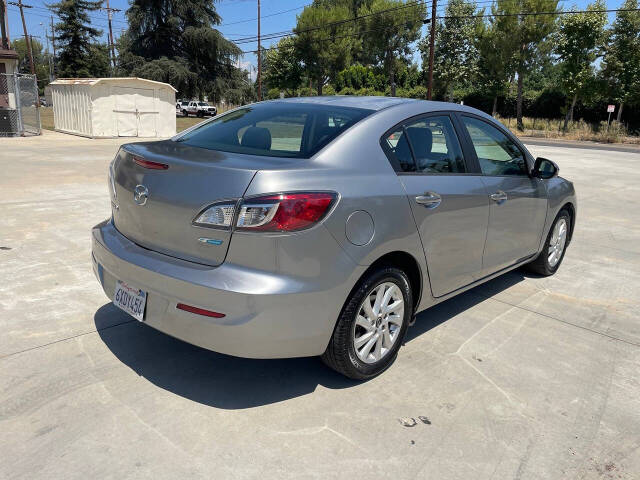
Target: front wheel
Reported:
[(371, 326), (550, 258)]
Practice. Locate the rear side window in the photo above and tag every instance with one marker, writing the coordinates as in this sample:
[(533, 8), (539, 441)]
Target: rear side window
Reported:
[(278, 129), (397, 144), (425, 145), (435, 145)]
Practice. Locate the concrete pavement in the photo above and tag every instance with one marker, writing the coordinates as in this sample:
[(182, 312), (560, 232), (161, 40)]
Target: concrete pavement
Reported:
[(521, 378)]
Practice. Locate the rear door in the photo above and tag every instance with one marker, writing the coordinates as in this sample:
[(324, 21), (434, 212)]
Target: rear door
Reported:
[(518, 203), (448, 201)]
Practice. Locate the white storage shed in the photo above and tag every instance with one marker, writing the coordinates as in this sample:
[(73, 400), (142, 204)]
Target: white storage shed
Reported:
[(114, 107)]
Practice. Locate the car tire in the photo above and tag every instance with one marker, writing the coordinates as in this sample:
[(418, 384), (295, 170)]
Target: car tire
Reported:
[(185, 113), (341, 353), (546, 263), (200, 114)]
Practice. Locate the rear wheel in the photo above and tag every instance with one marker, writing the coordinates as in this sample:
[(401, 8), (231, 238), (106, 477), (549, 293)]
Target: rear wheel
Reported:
[(185, 113), (373, 322), (550, 258)]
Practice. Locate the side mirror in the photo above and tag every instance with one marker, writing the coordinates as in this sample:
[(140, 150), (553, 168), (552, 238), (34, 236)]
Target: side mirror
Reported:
[(544, 168)]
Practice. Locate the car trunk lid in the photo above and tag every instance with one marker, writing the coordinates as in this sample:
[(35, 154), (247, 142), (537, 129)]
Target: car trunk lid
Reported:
[(159, 215)]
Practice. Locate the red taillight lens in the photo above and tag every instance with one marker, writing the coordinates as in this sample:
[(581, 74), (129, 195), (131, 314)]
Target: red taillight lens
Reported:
[(199, 311), (286, 212), (149, 164)]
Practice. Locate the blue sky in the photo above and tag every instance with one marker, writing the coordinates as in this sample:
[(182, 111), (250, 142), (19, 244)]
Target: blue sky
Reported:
[(238, 18)]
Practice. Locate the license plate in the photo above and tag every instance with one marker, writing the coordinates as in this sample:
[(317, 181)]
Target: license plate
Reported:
[(130, 299)]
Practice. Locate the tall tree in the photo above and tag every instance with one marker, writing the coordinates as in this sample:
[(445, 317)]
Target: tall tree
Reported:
[(174, 41), (389, 36), (282, 67), (621, 62), (456, 54), (40, 59), (495, 61), (527, 32), (74, 37), (577, 42), (324, 41)]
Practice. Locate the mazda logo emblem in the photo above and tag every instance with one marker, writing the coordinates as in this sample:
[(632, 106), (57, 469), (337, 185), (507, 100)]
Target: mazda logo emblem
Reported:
[(140, 194)]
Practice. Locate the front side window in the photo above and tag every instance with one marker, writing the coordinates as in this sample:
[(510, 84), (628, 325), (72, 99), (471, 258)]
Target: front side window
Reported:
[(497, 153), (435, 145), (279, 129)]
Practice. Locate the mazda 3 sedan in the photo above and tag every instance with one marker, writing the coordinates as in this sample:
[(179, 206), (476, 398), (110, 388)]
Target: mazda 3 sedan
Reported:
[(323, 225)]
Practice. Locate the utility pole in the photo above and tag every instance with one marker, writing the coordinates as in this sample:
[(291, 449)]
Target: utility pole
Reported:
[(259, 58), (27, 39), (46, 36), (4, 38), (432, 41), (53, 47), (111, 44)]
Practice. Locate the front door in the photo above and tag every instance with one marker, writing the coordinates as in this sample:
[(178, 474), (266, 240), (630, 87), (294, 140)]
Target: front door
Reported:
[(518, 203), (449, 204)]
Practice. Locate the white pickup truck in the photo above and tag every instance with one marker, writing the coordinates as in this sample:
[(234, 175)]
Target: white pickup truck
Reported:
[(199, 109)]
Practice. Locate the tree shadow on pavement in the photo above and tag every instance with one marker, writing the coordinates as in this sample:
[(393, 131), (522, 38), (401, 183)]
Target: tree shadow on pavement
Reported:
[(232, 383)]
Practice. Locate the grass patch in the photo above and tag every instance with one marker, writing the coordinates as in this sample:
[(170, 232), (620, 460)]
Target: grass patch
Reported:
[(578, 130)]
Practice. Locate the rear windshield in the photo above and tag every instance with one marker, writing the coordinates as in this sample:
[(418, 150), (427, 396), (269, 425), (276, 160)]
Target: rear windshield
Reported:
[(277, 129)]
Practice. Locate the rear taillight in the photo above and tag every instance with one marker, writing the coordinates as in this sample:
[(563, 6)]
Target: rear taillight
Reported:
[(286, 212), (149, 164), (216, 215)]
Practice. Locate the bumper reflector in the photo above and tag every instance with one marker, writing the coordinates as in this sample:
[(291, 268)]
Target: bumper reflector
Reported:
[(199, 311)]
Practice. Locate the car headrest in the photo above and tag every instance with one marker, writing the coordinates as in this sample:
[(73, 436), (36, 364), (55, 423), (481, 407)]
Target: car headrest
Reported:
[(421, 140), (257, 137)]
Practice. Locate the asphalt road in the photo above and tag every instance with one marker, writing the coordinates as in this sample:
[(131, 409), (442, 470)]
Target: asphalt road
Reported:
[(521, 378)]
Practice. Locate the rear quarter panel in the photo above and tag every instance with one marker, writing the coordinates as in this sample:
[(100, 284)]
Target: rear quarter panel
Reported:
[(355, 166)]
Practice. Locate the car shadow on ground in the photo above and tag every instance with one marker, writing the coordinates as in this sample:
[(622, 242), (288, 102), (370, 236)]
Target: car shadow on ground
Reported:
[(231, 383)]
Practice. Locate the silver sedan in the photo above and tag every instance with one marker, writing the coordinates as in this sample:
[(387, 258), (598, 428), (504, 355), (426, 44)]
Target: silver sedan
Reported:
[(322, 226)]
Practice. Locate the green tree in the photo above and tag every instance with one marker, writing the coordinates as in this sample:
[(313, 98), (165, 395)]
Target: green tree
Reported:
[(283, 69), (621, 62), (40, 58), (74, 37), (173, 41), (324, 41), (388, 36), (495, 61), (527, 32), (577, 42), (456, 54)]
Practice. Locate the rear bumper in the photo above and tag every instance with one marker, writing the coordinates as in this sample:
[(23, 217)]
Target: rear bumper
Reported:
[(267, 314)]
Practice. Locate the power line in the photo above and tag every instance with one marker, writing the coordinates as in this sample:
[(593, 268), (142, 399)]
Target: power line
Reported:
[(568, 12), (264, 16)]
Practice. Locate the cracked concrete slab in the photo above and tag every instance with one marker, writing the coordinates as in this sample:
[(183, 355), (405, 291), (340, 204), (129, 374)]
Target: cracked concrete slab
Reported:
[(523, 378)]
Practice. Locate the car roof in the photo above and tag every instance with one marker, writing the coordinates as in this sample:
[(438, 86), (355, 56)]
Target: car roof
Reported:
[(378, 103)]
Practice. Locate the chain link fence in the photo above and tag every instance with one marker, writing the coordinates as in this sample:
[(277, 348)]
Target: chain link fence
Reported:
[(19, 102)]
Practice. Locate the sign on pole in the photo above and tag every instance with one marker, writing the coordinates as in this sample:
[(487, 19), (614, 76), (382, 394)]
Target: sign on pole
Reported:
[(610, 110)]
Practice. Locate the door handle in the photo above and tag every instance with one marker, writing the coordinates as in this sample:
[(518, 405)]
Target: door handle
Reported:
[(499, 196), (429, 199)]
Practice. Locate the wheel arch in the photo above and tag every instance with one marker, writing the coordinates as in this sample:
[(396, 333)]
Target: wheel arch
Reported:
[(404, 261), (572, 213)]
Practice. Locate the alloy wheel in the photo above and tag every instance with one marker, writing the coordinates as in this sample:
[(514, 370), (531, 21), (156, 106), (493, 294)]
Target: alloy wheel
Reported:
[(378, 322)]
